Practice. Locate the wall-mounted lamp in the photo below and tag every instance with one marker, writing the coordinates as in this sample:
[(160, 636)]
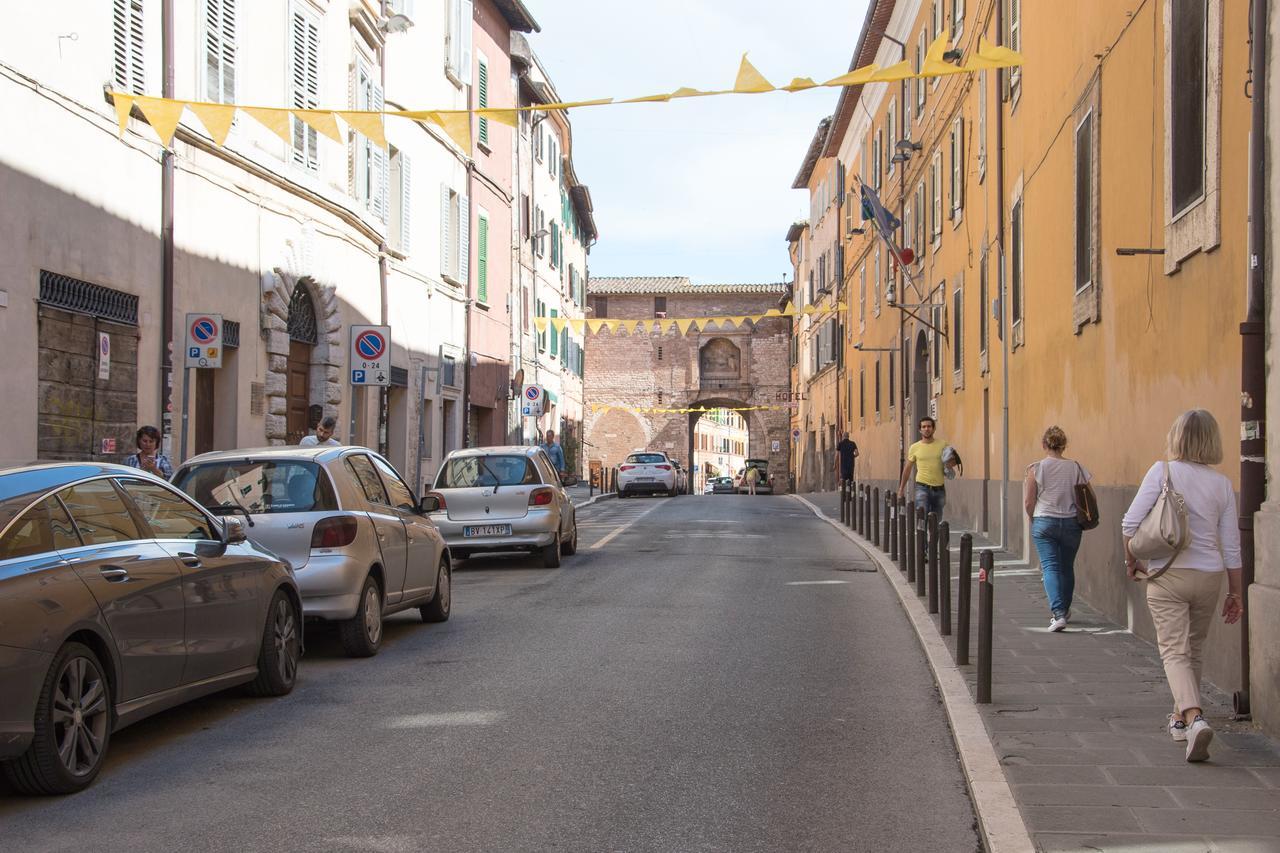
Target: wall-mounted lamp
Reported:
[(906, 145), (860, 348), (397, 23), (954, 55)]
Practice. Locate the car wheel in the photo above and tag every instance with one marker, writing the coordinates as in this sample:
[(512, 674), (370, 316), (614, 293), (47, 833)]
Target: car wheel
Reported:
[(551, 554), (72, 727), (281, 648), (437, 609), (362, 633), (571, 547)]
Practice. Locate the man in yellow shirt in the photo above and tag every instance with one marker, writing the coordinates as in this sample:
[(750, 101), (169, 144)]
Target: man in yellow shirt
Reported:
[(925, 458)]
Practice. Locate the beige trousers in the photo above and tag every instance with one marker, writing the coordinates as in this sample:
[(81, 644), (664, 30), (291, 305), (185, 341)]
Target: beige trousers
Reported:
[(1182, 603)]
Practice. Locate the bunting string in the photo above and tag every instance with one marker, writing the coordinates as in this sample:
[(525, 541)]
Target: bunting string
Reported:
[(681, 326), (605, 408), (164, 114)]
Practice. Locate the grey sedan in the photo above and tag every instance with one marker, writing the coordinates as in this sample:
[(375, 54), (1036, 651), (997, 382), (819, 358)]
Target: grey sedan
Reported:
[(504, 499), (119, 598), (361, 545)]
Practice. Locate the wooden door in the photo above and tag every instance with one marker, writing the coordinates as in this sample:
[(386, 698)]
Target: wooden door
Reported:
[(204, 410), (297, 390)]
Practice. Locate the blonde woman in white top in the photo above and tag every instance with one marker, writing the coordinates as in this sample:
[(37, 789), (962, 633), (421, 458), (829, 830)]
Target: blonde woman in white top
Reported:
[(1183, 599), (1049, 497)]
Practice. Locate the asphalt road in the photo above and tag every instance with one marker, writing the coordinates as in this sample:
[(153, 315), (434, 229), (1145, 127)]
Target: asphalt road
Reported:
[(708, 673)]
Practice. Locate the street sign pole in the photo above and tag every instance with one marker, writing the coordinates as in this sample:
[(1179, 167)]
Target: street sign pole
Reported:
[(186, 404)]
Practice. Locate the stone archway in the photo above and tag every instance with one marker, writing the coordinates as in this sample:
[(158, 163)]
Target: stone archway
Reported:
[(324, 368), (620, 429)]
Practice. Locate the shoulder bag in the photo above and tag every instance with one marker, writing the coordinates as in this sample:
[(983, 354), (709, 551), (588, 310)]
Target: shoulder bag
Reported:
[(1165, 532), (1086, 502)]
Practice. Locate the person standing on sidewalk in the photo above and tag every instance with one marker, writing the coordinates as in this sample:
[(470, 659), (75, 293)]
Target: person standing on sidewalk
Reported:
[(323, 436), (925, 460), (846, 452), (1049, 496), (1183, 598), (554, 451)]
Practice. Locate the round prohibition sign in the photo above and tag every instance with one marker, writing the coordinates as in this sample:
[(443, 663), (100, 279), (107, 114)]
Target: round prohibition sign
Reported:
[(204, 330), (532, 392), (371, 345)]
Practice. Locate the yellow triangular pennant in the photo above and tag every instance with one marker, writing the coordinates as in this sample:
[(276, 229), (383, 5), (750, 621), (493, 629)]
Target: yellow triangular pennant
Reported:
[(540, 324), (367, 124), (737, 321), (855, 77), (750, 80), (577, 325), (810, 309), (216, 118), (799, 84), (687, 92), (557, 323), (683, 326), (645, 99), (323, 121), (568, 105), (933, 64), (894, 73), (163, 116), (510, 118), (124, 106), (789, 311), (276, 121), (992, 56), (593, 326)]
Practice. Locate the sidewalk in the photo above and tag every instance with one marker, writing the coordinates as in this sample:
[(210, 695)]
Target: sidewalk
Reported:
[(1078, 724), (580, 497)]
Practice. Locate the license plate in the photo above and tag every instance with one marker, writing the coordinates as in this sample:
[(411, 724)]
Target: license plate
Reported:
[(488, 530), (644, 479)]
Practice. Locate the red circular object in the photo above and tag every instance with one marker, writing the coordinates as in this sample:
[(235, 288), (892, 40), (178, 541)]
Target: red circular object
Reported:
[(908, 255)]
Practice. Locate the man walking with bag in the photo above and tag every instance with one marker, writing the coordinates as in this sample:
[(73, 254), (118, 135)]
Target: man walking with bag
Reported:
[(925, 460)]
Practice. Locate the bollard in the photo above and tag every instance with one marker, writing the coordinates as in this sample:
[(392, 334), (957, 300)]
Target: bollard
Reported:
[(986, 606), (964, 591), (887, 539), (852, 521), (891, 502), (866, 513), (862, 510), (922, 556), (944, 579), (875, 516), (900, 522), (857, 512), (931, 580), (909, 541), (844, 501)]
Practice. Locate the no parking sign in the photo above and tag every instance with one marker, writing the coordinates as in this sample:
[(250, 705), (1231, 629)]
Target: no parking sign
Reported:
[(370, 355), (532, 398), (204, 340)]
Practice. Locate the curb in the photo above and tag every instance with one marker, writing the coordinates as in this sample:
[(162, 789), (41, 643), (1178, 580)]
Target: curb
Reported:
[(599, 497), (1003, 829)]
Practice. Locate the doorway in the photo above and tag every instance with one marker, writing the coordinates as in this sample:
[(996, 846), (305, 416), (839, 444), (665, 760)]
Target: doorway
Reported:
[(920, 380), (297, 396), (204, 413)]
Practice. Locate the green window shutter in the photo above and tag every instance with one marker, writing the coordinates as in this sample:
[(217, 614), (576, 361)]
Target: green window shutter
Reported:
[(482, 271), (483, 100), (555, 339)]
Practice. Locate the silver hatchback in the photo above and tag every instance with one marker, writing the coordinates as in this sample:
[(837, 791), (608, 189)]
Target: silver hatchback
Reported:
[(504, 499), (361, 545)]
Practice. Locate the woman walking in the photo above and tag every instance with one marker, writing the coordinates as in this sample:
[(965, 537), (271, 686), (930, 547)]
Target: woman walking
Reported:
[(1182, 599), (1050, 499)]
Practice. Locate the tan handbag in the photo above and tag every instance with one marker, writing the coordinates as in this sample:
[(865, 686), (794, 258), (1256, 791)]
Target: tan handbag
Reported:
[(1165, 532)]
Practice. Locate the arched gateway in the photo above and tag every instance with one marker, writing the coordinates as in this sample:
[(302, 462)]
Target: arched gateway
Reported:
[(739, 367)]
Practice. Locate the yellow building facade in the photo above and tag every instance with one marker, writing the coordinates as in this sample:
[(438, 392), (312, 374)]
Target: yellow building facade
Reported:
[(1078, 226)]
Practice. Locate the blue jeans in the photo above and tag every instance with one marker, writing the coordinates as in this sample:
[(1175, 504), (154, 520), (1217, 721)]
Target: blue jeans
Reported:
[(1057, 541), (930, 499)]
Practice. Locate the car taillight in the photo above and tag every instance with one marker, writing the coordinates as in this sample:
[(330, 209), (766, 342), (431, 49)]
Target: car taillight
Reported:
[(625, 467), (438, 496), (541, 497), (665, 467), (336, 531)]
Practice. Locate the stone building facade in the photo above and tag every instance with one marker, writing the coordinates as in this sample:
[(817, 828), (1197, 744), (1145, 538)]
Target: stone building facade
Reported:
[(748, 365)]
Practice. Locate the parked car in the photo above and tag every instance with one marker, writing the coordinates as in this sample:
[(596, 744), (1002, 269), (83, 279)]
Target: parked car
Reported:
[(119, 598), (720, 486), (765, 484), (361, 545), (647, 472), (495, 499)]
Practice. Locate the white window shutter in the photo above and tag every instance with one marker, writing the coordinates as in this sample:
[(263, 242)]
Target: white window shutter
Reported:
[(446, 240), (406, 205), (220, 50), (464, 238), (379, 201), (128, 56), (464, 34)]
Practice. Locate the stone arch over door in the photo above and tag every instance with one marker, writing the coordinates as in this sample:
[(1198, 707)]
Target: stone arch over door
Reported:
[(319, 357), (720, 358)]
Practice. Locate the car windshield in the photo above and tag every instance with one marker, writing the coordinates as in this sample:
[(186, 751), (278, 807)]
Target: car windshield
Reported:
[(646, 458), (259, 487), (466, 472)]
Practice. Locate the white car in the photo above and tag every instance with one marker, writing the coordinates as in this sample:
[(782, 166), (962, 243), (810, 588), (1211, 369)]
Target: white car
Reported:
[(647, 472)]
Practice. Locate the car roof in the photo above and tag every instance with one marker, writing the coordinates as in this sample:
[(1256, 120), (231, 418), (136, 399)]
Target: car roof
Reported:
[(21, 485), (497, 450), (309, 453)]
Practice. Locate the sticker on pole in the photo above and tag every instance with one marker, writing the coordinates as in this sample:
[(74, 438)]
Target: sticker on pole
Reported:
[(370, 355), (204, 340)]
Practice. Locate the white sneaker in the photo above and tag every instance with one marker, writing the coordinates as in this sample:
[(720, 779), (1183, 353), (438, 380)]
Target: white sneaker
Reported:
[(1177, 728), (1199, 736), (1057, 623)]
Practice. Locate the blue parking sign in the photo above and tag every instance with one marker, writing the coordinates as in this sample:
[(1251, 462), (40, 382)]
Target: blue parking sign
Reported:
[(357, 377), (193, 352)]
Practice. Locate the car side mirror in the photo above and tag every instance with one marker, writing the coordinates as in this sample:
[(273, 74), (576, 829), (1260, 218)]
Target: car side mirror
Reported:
[(233, 531), (429, 504)]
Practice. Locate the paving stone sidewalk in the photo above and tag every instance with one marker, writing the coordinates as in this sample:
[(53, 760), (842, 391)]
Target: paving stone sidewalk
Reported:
[(1078, 722)]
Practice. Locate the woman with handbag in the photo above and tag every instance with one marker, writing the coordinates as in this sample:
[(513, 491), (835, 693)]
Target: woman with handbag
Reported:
[(1183, 523), (1049, 496)]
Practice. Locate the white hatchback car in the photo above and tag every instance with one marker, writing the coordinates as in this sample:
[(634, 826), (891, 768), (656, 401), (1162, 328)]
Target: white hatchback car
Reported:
[(647, 472)]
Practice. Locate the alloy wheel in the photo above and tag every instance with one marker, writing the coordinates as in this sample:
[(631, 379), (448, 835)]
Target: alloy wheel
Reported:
[(372, 615), (80, 715), (445, 589), (286, 639)]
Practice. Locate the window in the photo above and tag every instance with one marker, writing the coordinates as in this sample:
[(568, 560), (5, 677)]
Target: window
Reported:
[(220, 51), (259, 487), (1015, 264), (362, 470), (555, 244), (539, 137), (45, 527), (862, 298), (482, 258), (129, 70), (939, 13), (891, 124), (940, 296), (957, 170), (957, 19), (935, 192), (459, 19), (540, 224), (455, 235), (1189, 21), (541, 310), (908, 225), (482, 98), (890, 388), (877, 388), (401, 496), (982, 125), (599, 306), (99, 513), (555, 336), (922, 49), (304, 62), (957, 330), (862, 392), (167, 514), (553, 155), (659, 306), (1014, 38), (401, 207), (984, 297), (922, 219), (368, 158), (877, 155), (1084, 202), (875, 287)]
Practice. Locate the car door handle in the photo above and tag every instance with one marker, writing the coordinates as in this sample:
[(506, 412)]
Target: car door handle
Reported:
[(191, 561), (114, 574)]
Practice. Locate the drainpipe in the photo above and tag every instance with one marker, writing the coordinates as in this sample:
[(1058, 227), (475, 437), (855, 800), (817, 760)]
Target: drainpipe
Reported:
[(1006, 327), (383, 395), (166, 246), (1253, 352), (466, 340)]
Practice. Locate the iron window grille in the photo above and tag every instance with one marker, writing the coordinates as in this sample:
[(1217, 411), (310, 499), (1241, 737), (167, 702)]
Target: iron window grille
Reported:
[(302, 317), (230, 334), (82, 297)]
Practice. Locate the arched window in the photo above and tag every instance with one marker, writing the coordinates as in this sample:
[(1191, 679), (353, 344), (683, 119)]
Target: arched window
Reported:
[(302, 317)]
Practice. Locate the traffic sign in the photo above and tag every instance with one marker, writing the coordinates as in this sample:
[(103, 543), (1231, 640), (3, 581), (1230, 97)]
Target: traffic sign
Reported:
[(532, 397), (795, 435), (104, 356), (370, 355), (204, 340)]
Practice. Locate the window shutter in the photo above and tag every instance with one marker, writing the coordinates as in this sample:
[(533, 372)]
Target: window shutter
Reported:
[(555, 339), (220, 50), (482, 99), (129, 68), (446, 241), (406, 204), (464, 239), (305, 59), (957, 199), (482, 260), (380, 197), (464, 33)]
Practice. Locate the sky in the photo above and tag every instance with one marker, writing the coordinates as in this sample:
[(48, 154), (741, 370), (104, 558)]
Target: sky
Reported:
[(699, 187)]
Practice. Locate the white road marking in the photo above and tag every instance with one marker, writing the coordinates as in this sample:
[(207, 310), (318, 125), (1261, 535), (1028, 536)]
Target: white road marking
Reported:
[(606, 540), (724, 534), (814, 583), (454, 718)]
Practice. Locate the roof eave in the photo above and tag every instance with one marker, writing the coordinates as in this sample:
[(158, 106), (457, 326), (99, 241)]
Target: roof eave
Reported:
[(811, 157)]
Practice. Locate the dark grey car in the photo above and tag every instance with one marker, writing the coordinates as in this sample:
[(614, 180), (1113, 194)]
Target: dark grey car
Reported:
[(119, 598)]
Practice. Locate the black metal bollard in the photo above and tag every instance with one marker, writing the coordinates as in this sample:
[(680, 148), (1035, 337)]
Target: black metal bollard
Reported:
[(922, 556), (875, 516), (964, 594), (844, 501), (909, 541), (902, 534), (862, 510), (891, 501), (986, 608), (931, 581), (886, 536), (856, 521), (944, 579), (866, 513)]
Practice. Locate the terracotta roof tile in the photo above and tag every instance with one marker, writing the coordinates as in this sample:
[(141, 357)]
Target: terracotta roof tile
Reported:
[(674, 284)]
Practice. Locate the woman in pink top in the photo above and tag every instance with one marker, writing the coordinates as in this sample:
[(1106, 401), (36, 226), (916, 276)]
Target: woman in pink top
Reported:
[(1183, 599)]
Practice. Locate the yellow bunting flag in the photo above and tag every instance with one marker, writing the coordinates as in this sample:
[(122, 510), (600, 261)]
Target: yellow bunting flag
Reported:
[(276, 121), (789, 311), (684, 326), (323, 122), (457, 126), (540, 324), (593, 326), (933, 64), (576, 325), (736, 321), (810, 309), (163, 115), (992, 56), (856, 77), (894, 73), (216, 118), (124, 106), (367, 124), (557, 323), (646, 99), (568, 105), (687, 92), (507, 117), (799, 84), (750, 80)]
